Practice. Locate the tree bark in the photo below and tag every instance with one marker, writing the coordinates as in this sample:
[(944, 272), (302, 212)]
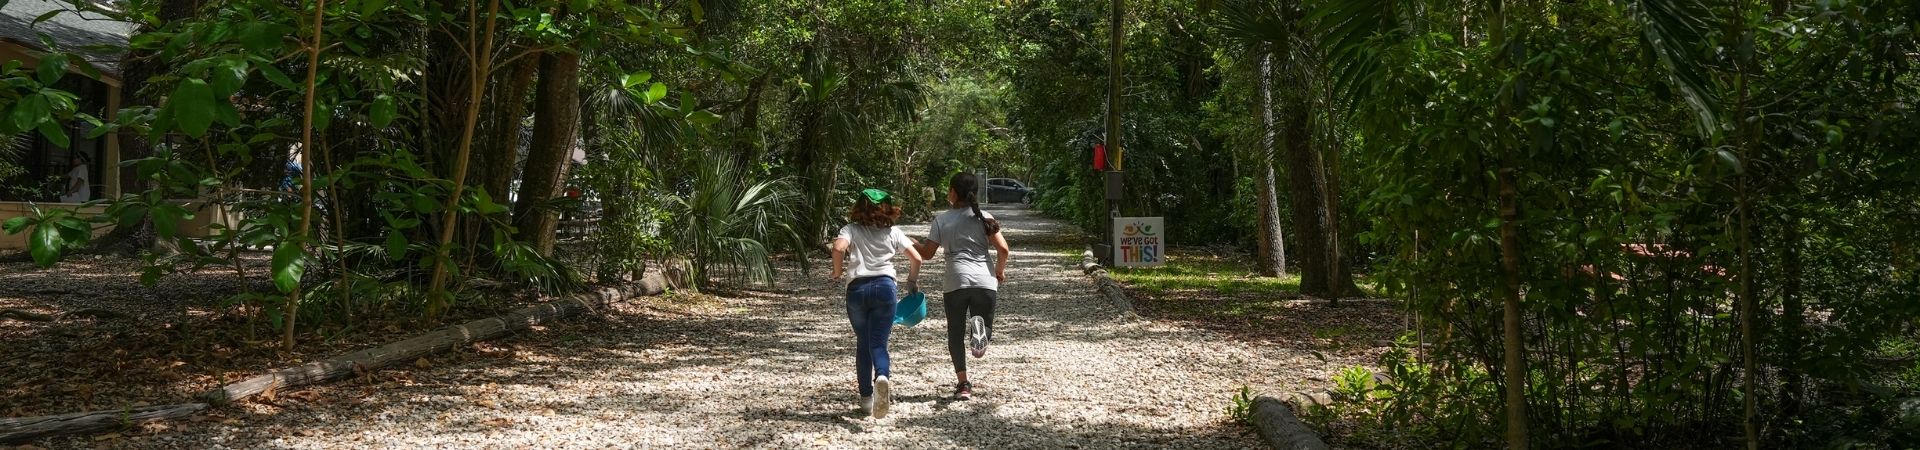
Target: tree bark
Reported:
[(16, 430), (1513, 362), (1275, 421), (498, 157), (1306, 181), (556, 119), (1272, 256)]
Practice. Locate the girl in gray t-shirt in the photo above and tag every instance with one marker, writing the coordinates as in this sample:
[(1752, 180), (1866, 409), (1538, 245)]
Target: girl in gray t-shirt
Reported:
[(972, 287)]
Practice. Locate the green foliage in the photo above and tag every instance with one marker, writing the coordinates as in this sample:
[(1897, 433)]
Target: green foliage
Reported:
[(1241, 410), (50, 233), (725, 225)]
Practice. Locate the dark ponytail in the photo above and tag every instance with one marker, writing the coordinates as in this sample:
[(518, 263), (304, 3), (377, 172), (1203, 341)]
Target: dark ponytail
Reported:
[(966, 186)]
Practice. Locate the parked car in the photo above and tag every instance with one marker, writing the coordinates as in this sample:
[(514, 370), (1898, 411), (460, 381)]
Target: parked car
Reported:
[(1008, 190)]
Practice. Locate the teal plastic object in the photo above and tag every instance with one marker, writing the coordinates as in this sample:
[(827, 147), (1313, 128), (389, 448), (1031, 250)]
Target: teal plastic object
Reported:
[(911, 310)]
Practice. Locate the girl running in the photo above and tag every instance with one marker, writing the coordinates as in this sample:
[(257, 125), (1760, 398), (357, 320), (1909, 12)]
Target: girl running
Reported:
[(972, 289), (867, 247)]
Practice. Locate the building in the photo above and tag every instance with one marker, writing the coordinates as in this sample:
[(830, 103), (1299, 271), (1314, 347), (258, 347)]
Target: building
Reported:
[(34, 168)]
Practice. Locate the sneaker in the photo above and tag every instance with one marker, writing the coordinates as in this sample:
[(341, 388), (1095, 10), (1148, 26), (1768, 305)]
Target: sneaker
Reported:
[(882, 397), (866, 404), (963, 391), (977, 335)]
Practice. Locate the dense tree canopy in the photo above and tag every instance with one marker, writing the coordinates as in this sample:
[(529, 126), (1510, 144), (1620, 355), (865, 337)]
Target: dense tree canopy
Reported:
[(1648, 222)]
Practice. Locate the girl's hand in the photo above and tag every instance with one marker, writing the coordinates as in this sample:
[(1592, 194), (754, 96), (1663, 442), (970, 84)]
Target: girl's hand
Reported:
[(1000, 275)]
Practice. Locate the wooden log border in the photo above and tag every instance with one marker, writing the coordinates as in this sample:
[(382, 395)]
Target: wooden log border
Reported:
[(1112, 291), (23, 429), (1277, 424)]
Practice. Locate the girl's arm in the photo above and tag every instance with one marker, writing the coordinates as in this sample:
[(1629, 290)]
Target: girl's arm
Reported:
[(839, 257), (1000, 247), (913, 269), (927, 248)]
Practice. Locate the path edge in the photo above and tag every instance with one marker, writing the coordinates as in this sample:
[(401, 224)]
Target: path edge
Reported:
[(1115, 294), (1277, 424), (15, 430)]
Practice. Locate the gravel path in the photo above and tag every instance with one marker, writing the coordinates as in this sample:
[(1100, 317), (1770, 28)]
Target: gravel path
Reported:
[(772, 369)]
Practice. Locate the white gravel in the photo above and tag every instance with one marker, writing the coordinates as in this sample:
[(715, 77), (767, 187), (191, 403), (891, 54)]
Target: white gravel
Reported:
[(774, 370)]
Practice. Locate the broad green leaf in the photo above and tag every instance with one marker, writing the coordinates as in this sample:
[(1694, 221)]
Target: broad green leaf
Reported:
[(45, 245), (656, 92), (166, 219), (192, 106), (52, 131), (52, 67), (289, 264), (704, 118), (262, 37), (277, 77), (16, 225), (635, 79), (370, 7), (31, 109), (322, 116), (382, 111), (396, 244), (131, 216)]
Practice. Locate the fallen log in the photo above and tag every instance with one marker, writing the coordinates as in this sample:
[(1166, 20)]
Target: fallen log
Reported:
[(407, 351), (13, 430), (1115, 294), (1275, 422), (24, 315), (29, 428)]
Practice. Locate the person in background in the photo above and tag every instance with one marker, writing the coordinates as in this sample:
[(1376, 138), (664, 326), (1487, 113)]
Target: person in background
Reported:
[(866, 248), (79, 186), (972, 287)]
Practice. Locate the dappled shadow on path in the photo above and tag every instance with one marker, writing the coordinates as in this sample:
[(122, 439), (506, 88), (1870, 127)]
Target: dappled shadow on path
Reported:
[(771, 369)]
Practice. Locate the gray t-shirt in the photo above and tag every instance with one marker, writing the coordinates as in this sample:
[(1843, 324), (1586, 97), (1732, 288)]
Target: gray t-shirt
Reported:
[(870, 250), (966, 241)]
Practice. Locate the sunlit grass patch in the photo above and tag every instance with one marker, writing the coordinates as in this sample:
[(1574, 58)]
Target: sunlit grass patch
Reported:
[(1200, 271)]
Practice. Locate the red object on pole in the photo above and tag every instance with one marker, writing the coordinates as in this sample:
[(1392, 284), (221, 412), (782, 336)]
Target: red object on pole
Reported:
[(1100, 157)]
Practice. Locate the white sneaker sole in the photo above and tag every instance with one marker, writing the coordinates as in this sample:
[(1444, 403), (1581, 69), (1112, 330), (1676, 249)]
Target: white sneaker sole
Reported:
[(977, 336), (882, 397)]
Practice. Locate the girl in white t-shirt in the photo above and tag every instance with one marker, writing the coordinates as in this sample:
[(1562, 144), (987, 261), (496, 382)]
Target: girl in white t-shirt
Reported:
[(866, 248), (79, 188)]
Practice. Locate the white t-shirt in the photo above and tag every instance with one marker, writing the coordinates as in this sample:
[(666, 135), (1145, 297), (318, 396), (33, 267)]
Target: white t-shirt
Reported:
[(85, 193), (870, 250)]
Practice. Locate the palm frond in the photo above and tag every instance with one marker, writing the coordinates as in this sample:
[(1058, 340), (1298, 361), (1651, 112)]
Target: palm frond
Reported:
[(1350, 34), (1675, 31)]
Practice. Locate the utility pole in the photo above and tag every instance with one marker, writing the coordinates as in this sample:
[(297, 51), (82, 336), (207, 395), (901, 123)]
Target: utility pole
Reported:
[(1114, 179)]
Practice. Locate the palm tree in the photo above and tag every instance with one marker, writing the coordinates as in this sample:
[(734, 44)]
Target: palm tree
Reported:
[(727, 224)]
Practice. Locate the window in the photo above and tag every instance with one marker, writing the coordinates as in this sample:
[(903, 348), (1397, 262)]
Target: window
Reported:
[(34, 169)]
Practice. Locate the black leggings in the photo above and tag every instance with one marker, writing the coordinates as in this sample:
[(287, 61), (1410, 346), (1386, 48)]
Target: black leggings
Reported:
[(962, 303)]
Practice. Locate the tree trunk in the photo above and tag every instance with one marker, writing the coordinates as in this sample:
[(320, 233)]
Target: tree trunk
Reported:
[(1306, 181), (1272, 245), (1513, 364), (555, 120), (749, 139), (810, 160), (499, 154)]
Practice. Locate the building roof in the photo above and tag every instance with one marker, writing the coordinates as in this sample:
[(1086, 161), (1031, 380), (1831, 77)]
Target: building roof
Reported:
[(81, 33)]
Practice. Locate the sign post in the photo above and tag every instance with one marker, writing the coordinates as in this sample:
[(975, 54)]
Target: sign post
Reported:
[(1139, 241)]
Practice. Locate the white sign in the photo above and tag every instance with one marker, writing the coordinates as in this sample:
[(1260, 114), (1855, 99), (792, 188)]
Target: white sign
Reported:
[(1139, 242)]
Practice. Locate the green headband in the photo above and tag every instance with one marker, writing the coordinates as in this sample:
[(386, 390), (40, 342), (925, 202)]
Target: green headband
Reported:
[(876, 195)]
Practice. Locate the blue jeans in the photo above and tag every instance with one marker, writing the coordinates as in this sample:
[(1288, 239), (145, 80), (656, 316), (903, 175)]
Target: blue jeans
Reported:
[(870, 303)]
